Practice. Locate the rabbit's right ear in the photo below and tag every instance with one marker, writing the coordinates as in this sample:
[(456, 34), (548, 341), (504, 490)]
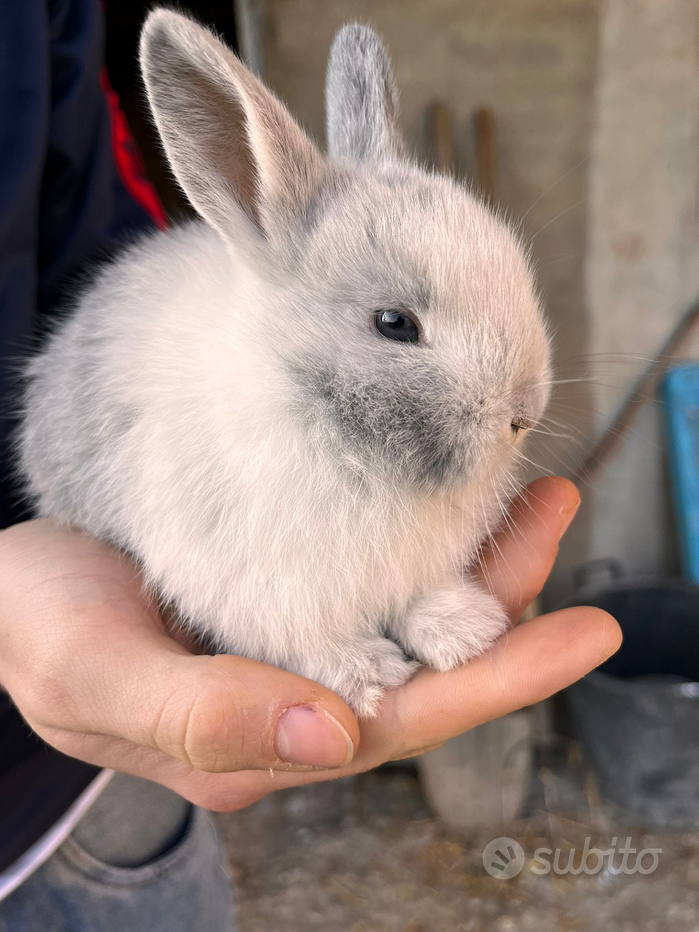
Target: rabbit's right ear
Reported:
[(361, 98), (236, 151)]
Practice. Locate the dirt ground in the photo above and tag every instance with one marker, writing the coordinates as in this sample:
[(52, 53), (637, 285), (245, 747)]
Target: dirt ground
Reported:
[(365, 854)]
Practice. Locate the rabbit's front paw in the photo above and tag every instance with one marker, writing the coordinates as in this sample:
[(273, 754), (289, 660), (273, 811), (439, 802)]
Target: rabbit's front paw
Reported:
[(362, 670), (451, 625)]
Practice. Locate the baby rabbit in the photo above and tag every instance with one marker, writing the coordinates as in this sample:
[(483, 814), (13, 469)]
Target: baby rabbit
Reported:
[(300, 412)]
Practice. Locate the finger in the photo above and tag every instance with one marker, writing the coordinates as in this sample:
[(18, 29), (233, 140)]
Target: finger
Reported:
[(517, 564), (528, 664), (85, 654)]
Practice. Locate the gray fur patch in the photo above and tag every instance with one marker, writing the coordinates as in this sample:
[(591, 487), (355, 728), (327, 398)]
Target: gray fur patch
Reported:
[(400, 428)]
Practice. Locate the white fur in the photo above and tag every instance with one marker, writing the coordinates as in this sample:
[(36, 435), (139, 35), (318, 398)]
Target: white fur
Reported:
[(165, 417)]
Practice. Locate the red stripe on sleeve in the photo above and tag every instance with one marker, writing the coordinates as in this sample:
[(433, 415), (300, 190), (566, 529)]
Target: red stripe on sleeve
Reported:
[(128, 159)]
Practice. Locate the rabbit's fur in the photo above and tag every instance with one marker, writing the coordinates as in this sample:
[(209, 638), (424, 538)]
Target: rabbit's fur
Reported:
[(300, 488)]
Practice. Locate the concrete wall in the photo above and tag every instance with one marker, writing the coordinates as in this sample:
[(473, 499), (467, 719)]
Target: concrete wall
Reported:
[(642, 266), (595, 104)]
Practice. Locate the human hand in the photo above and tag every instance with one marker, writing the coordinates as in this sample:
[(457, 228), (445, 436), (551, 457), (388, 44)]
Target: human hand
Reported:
[(93, 669)]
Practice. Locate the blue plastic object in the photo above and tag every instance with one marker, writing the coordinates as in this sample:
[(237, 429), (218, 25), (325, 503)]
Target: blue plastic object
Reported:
[(680, 393)]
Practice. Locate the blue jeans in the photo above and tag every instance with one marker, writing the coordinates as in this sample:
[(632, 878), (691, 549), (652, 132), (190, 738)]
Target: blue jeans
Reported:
[(184, 888)]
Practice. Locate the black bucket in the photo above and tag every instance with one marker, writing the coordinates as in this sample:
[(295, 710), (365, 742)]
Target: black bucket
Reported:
[(637, 716)]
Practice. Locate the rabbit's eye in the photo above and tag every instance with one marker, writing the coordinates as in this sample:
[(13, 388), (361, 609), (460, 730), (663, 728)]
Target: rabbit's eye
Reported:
[(520, 423), (397, 325)]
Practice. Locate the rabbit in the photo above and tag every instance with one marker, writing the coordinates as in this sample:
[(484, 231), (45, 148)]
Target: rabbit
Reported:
[(301, 411)]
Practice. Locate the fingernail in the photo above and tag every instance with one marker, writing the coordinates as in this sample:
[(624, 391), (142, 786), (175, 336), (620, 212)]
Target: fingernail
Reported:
[(311, 736), (566, 517)]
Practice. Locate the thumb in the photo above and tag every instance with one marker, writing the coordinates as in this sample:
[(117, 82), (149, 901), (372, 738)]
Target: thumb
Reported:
[(222, 713), (215, 713)]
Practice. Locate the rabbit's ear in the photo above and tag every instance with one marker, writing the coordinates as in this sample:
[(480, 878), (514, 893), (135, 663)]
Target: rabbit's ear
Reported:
[(361, 98), (234, 148)]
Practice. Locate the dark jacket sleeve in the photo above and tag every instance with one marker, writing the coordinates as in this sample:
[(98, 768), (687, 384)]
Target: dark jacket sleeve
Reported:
[(70, 190), (66, 197)]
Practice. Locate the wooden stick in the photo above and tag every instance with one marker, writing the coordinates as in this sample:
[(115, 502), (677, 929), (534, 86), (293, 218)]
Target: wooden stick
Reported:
[(486, 153), (441, 129)]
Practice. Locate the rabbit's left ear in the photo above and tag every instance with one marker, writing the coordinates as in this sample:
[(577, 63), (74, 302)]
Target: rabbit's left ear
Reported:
[(361, 98), (239, 156)]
